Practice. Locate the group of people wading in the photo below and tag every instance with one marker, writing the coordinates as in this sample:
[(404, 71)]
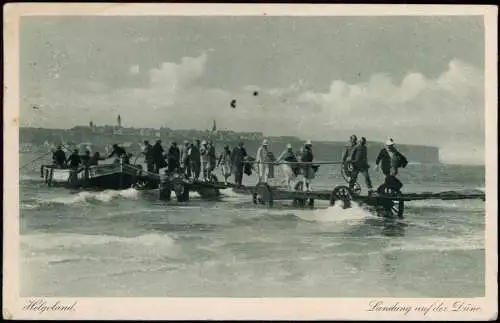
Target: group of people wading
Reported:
[(197, 160)]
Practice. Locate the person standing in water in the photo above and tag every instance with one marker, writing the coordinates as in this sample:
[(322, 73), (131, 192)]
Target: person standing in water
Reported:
[(290, 171), (148, 156), (390, 160), (262, 160), (238, 157), (158, 158), (185, 164), (173, 157), (59, 157), (204, 159), (307, 170), (359, 161), (74, 162), (224, 161), (211, 159), (194, 159)]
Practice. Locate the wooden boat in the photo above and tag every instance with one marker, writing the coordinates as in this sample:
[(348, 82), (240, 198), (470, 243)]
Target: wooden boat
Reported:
[(110, 176)]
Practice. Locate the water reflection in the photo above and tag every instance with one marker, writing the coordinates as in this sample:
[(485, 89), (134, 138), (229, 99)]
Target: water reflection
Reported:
[(393, 228)]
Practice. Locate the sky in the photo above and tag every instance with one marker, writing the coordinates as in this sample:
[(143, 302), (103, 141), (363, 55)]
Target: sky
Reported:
[(419, 80)]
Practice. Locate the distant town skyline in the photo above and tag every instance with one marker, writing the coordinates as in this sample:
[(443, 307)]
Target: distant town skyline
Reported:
[(419, 80)]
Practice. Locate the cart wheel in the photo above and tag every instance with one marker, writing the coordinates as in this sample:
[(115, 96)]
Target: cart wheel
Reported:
[(393, 207), (341, 193), (346, 171)]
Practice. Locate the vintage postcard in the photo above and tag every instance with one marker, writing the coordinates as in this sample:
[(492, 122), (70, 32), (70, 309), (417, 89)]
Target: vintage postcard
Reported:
[(215, 161)]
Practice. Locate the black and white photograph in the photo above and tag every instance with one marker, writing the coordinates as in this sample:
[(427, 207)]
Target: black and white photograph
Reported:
[(251, 156)]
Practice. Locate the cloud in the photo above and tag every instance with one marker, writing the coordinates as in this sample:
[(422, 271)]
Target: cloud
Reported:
[(447, 111), (134, 70)]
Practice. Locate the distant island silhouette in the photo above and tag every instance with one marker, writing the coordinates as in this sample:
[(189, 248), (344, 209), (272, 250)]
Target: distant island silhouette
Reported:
[(100, 138)]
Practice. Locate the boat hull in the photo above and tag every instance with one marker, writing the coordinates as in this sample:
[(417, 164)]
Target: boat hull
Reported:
[(96, 177)]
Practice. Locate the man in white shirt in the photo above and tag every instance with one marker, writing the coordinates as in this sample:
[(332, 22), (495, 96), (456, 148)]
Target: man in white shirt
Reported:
[(260, 160)]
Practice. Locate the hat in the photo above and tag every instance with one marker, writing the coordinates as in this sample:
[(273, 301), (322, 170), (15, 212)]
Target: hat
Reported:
[(204, 142), (308, 143), (389, 142), (265, 142), (289, 146), (186, 142)]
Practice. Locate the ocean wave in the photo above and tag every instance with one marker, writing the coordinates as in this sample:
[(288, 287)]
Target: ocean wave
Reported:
[(228, 192), (194, 194), (465, 242), (44, 241), (30, 178), (86, 197), (466, 205), (335, 213)]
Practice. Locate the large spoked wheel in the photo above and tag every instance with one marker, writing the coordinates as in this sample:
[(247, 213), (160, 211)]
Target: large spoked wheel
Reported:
[(263, 194), (346, 171), (341, 193), (392, 207), (181, 191)]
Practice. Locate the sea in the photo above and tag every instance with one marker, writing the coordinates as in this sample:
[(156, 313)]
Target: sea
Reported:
[(129, 244)]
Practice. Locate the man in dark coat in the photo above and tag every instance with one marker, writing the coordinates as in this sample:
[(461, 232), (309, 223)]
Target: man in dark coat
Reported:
[(390, 159), (211, 158), (238, 157), (85, 159), (157, 154), (307, 157), (74, 160), (185, 164), (59, 157), (194, 159), (148, 156), (359, 161), (118, 152), (174, 158)]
